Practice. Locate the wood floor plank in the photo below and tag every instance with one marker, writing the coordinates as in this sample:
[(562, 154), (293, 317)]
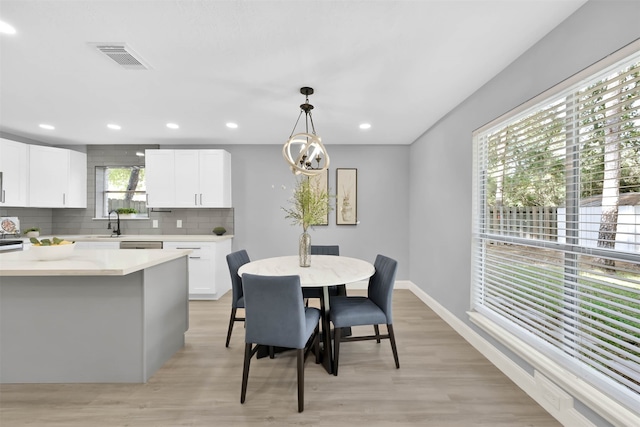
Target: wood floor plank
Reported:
[(442, 381)]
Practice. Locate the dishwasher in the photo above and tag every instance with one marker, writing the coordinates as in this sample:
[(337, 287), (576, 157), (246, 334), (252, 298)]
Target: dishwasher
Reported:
[(141, 245)]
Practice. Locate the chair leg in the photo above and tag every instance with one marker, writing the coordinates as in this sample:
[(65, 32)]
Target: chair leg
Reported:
[(376, 329), (337, 332), (300, 352), (272, 352), (232, 319), (316, 344), (245, 371), (392, 338)]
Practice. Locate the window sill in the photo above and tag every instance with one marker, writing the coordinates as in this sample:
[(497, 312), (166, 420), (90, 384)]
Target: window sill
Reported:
[(594, 398)]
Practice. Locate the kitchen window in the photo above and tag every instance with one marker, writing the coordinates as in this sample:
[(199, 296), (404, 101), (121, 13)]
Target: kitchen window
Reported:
[(556, 229), (120, 187)]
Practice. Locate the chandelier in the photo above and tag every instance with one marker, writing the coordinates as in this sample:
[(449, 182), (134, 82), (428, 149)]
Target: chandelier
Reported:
[(303, 149)]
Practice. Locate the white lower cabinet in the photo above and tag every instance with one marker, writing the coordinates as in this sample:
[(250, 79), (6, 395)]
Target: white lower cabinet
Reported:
[(208, 272)]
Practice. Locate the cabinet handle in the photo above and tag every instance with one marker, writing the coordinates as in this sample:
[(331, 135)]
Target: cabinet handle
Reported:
[(195, 199), (194, 257), (4, 193), (200, 198), (184, 247), (64, 199)]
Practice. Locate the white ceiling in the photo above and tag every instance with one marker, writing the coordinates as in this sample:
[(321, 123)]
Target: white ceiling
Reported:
[(399, 65)]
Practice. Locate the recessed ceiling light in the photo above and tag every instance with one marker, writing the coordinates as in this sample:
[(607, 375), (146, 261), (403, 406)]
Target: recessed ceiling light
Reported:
[(173, 126), (6, 28), (46, 126), (114, 126), (139, 154), (365, 126), (232, 125)]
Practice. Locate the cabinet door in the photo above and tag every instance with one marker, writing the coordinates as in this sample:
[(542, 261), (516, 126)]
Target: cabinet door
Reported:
[(77, 191), (215, 179), (48, 176), (159, 176), (188, 194), (222, 277), (201, 268), (14, 169)]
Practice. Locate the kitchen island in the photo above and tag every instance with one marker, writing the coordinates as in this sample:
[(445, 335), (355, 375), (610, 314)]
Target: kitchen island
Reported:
[(97, 316)]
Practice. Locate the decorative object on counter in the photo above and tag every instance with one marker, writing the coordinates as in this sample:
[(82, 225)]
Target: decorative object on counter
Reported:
[(126, 213), (346, 197), (32, 232), (310, 206), (49, 250), (10, 225), (306, 147), (219, 231)]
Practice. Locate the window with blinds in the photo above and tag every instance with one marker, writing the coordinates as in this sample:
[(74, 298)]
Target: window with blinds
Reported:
[(556, 252)]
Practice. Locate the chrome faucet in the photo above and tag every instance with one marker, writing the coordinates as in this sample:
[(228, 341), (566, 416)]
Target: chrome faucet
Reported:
[(115, 230)]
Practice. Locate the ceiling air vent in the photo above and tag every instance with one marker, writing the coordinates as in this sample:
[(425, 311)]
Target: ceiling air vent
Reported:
[(123, 55)]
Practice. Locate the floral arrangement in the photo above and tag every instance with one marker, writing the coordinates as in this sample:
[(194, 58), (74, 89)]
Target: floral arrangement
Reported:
[(309, 204)]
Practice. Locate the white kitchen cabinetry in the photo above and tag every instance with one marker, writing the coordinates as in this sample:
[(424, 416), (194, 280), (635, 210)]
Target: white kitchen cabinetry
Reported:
[(77, 189), (57, 178), (208, 271), (14, 170), (188, 178), (159, 170)]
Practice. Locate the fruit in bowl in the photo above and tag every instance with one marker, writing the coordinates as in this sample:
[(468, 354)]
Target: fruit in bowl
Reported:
[(48, 250)]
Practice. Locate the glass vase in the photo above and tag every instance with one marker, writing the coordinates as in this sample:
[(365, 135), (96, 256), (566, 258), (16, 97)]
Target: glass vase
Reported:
[(304, 249)]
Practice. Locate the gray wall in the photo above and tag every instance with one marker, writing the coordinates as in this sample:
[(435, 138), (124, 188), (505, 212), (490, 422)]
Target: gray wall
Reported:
[(441, 159), (259, 174)]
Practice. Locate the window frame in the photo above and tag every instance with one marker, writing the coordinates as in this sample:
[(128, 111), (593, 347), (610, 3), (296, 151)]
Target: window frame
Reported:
[(509, 333), (101, 191)]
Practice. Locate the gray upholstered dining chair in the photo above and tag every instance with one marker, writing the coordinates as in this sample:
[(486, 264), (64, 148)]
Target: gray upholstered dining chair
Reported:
[(235, 260), (276, 317), (374, 309), (333, 290)]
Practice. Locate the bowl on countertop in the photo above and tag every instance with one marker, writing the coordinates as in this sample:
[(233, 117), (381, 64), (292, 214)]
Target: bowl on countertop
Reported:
[(53, 252)]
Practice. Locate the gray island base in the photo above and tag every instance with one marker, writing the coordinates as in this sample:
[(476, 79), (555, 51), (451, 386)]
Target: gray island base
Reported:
[(66, 326)]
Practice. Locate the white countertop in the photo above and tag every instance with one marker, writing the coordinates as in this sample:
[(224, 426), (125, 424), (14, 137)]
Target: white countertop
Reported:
[(139, 237), (87, 262)]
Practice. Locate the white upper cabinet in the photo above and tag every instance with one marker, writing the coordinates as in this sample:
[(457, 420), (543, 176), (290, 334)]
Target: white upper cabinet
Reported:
[(158, 171), (14, 170), (77, 194), (188, 178), (57, 178)]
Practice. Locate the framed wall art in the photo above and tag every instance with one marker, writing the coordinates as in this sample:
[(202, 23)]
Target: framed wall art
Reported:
[(346, 196), (321, 182)]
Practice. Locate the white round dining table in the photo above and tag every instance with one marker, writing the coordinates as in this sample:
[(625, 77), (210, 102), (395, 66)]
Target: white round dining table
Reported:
[(325, 271)]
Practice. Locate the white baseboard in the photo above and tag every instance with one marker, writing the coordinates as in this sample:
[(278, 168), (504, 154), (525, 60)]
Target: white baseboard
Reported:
[(553, 398)]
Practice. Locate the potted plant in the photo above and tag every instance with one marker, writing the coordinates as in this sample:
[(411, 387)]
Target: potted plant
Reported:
[(32, 232), (126, 212), (309, 206)]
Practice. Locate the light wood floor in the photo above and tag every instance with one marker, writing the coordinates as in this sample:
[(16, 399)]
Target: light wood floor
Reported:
[(442, 381)]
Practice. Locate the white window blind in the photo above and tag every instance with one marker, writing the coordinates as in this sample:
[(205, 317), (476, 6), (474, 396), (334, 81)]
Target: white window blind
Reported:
[(556, 253)]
